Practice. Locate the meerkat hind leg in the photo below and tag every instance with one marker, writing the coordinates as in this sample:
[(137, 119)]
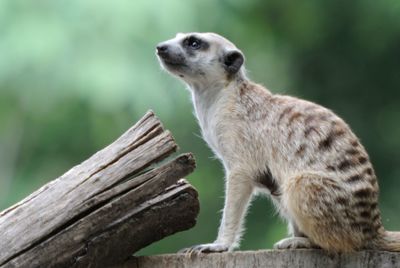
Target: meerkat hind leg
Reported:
[(310, 200)]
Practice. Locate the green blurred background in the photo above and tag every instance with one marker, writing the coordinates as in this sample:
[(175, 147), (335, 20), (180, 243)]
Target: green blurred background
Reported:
[(74, 75)]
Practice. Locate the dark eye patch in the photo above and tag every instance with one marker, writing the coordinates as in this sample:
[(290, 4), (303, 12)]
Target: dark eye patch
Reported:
[(194, 43)]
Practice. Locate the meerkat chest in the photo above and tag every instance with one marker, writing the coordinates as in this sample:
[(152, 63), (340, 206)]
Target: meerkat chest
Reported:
[(210, 124), (213, 120)]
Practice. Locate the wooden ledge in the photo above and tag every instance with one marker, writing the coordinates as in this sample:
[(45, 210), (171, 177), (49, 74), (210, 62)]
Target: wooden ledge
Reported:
[(269, 259)]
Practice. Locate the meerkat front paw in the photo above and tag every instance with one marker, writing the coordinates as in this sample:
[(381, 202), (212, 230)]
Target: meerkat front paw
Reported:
[(205, 248), (294, 243)]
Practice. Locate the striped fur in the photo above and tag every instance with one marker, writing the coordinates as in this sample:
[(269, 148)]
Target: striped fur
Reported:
[(303, 155)]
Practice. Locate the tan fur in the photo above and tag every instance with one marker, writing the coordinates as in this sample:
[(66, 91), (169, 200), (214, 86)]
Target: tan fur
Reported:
[(304, 156), (389, 241)]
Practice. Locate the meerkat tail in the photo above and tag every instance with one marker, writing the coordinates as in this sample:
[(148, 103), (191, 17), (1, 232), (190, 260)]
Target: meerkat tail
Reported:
[(390, 241)]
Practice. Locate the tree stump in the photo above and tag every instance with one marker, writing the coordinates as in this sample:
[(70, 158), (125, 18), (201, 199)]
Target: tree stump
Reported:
[(106, 208)]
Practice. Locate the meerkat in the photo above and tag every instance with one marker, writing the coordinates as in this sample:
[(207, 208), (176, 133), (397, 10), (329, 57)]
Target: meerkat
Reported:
[(301, 154)]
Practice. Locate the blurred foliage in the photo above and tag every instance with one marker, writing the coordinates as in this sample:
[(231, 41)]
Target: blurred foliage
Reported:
[(75, 74)]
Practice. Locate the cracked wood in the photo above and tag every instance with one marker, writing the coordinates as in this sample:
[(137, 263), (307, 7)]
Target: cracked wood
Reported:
[(62, 223)]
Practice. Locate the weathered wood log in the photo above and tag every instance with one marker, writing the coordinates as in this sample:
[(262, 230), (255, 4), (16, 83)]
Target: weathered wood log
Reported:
[(269, 259), (106, 208)]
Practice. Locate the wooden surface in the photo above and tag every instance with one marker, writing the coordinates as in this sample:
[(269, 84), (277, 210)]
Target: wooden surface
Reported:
[(269, 259), (106, 208)]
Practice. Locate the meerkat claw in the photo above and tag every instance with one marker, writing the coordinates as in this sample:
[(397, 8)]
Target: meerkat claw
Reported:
[(294, 243), (205, 248)]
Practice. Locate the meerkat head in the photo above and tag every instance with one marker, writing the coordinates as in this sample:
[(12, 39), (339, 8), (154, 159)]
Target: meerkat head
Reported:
[(201, 58)]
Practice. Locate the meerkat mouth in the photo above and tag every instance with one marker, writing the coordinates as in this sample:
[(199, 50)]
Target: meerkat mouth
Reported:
[(173, 62), (173, 65)]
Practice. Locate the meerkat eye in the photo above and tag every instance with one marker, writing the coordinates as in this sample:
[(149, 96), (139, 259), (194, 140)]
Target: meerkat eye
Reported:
[(193, 43)]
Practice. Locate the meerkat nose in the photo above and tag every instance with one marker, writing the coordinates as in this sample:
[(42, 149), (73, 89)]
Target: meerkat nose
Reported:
[(162, 50)]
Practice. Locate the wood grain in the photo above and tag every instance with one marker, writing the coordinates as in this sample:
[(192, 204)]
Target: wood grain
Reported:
[(79, 219)]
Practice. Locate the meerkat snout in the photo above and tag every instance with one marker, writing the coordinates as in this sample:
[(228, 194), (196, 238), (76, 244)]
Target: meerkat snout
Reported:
[(201, 58), (170, 56), (162, 50)]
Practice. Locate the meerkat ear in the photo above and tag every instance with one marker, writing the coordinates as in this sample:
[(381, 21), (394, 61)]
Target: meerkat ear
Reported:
[(233, 60)]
